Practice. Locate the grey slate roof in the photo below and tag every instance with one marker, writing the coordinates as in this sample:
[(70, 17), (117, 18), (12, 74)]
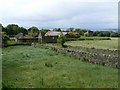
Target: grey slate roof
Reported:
[(20, 35), (54, 33)]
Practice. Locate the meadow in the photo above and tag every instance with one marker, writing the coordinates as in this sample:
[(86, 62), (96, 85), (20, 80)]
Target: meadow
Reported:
[(29, 67), (100, 44)]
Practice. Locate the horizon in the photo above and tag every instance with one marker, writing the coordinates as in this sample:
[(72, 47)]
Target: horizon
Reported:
[(51, 28), (64, 29)]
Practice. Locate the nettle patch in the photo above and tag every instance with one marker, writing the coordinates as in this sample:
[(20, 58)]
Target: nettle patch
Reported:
[(96, 56)]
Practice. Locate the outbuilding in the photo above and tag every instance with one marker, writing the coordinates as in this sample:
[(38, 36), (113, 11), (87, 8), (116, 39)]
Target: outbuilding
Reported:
[(25, 38), (52, 36)]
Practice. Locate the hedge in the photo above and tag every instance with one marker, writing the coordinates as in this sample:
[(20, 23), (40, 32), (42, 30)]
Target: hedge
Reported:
[(88, 38)]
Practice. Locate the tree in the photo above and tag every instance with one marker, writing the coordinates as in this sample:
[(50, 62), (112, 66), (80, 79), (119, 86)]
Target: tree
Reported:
[(44, 31), (79, 31), (23, 30), (12, 29), (115, 34), (5, 38), (102, 33), (95, 33), (33, 31), (61, 39), (57, 29), (70, 29)]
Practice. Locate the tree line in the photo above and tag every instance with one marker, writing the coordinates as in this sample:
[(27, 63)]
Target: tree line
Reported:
[(13, 29)]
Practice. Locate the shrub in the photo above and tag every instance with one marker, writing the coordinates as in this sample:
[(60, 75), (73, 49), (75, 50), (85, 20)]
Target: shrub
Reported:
[(5, 38), (74, 34), (61, 39)]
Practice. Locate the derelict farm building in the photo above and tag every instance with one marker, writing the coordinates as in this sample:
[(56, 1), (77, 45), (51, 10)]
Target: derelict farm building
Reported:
[(24, 38), (49, 37), (52, 36)]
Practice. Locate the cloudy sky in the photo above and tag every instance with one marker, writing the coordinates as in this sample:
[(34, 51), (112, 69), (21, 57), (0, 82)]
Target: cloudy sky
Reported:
[(89, 14)]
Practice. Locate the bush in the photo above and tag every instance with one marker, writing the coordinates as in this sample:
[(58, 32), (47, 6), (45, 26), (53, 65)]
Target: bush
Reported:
[(5, 38), (73, 34), (61, 39)]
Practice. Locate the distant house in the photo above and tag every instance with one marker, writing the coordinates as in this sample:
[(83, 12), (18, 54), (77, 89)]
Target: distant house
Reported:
[(24, 38), (52, 36), (18, 36), (88, 33)]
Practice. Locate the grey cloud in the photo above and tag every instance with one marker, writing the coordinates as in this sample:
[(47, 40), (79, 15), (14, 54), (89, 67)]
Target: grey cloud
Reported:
[(61, 13)]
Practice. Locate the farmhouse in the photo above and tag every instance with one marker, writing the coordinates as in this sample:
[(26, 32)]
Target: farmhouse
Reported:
[(24, 38), (52, 36)]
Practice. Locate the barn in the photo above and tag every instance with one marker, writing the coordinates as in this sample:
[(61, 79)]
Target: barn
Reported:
[(25, 38), (52, 36)]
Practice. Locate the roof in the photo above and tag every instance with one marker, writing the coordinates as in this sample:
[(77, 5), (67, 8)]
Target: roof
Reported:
[(19, 35), (54, 33), (22, 36)]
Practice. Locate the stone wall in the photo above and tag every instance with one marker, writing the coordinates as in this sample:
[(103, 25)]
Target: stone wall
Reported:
[(27, 40), (49, 39), (92, 55)]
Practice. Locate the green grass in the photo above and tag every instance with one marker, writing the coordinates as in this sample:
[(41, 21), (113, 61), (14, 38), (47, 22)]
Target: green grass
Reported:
[(25, 66), (101, 44), (0, 68), (11, 42)]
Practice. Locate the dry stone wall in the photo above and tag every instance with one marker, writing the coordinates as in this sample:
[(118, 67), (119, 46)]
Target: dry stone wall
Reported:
[(92, 55)]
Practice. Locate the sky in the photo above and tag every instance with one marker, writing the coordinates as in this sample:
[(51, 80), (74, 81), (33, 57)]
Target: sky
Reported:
[(87, 14)]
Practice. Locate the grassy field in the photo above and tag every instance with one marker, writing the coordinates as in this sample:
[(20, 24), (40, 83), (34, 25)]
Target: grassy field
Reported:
[(101, 44), (25, 66), (0, 68)]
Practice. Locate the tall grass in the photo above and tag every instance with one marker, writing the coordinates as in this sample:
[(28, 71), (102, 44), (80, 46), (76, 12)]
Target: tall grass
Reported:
[(29, 67)]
